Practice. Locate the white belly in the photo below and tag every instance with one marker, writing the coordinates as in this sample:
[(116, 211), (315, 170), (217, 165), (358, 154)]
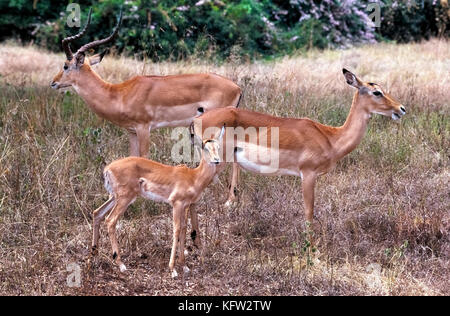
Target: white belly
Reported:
[(175, 123), (153, 196), (250, 162)]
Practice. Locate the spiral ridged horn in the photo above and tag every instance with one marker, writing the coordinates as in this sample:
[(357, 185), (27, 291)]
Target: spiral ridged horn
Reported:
[(67, 40)]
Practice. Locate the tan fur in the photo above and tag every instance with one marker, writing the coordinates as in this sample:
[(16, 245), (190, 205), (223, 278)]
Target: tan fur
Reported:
[(145, 102), (180, 186), (306, 148)]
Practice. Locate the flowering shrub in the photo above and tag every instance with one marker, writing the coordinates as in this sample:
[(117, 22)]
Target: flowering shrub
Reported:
[(325, 23), (173, 29)]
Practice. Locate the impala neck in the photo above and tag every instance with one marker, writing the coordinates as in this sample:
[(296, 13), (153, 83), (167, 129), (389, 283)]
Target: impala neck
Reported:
[(204, 173), (94, 91), (351, 133)]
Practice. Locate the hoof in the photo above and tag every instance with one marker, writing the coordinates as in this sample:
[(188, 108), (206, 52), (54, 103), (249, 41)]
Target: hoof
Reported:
[(122, 268), (94, 251), (186, 270), (198, 245), (174, 274)]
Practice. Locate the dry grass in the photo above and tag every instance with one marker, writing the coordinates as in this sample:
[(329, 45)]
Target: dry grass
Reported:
[(385, 206)]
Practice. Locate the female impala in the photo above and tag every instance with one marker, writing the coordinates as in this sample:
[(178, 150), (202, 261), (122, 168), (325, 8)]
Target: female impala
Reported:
[(143, 102), (302, 147), (128, 178)]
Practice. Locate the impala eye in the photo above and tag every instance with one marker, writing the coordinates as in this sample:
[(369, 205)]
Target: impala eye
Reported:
[(377, 93), (65, 67)]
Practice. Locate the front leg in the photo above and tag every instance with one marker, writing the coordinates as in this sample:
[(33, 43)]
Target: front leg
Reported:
[(308, 184), (134, 145), (178, 227), (234, 183), (143, 138)]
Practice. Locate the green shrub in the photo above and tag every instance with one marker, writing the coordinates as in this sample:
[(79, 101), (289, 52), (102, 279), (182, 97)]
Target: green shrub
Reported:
[(406, 21), (175, 29)]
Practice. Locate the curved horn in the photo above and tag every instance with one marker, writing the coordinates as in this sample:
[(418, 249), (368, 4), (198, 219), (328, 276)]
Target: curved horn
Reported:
[(67, 40), (103, 41)]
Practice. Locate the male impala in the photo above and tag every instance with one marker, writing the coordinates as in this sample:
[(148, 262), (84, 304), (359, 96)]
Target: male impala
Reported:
[(305, 148), (180, 186), (142, 103)]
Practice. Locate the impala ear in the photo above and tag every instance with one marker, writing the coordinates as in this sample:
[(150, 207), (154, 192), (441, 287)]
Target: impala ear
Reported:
[(97, 58), (351, 79)]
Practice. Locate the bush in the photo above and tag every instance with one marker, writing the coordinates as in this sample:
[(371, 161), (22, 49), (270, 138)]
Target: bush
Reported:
[(175, 29), (406, 21), (325, 23)]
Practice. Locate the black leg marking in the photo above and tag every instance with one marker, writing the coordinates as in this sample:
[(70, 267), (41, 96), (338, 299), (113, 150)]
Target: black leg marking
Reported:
[(193, 235), (114, 255)]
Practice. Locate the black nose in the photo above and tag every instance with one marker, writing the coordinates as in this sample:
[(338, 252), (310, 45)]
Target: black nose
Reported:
[(402, 108)]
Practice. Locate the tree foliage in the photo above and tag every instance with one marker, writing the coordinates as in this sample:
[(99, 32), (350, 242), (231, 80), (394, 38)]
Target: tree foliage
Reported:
[(173, 29)]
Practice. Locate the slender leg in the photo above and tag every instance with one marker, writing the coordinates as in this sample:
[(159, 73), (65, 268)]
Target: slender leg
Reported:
[(234, 182), (178, 214), (182, 239), (98, 215), (134, 145), (111, 222), (308, 184), (195, 233), (143, 137)]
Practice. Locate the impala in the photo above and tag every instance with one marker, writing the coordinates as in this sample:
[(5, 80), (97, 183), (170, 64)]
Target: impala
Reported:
[(142, 103), (304, 147), (180, 186)]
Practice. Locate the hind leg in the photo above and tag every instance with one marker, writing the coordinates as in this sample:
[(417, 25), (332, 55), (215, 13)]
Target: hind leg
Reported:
[(98, 215), (111, 222)]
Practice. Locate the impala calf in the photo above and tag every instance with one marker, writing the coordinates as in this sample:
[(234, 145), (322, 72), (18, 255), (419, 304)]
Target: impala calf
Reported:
[(305, 148), (180, 186), (142, 103)]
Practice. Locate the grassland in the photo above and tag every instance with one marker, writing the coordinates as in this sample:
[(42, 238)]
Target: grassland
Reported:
[(383, 213)]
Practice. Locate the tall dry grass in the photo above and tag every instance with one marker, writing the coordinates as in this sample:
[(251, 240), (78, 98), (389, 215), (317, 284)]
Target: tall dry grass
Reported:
[(383, 213)]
